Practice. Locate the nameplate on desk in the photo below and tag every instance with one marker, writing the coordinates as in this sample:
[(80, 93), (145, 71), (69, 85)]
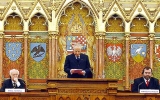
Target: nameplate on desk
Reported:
[(14, 90), (149, 91)]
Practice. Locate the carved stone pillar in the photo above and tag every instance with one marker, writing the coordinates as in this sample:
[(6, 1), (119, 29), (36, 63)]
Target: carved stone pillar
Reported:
[(127, 86), (151, 38), (100, 55), (1, 54), (25, 36), (53, 54)]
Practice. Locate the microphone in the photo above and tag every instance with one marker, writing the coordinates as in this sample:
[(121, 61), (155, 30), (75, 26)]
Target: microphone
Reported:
[(23, 82), (25, 87), (139, 85)]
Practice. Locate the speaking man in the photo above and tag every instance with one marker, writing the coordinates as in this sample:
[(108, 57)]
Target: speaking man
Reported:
[(77, 65)]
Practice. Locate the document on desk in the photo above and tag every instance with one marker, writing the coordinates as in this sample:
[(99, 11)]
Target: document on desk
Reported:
[(77, 70)]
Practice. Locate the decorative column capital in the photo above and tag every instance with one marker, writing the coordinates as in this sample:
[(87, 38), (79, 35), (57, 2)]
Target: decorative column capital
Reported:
[(151, 36), (53, 34), (100, 35), (127, 36), (25, 34), (1, 34)]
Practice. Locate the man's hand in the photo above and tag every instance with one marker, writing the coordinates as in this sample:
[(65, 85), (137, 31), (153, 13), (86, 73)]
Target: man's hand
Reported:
[(72, 71), (82, 72), (15, 80)]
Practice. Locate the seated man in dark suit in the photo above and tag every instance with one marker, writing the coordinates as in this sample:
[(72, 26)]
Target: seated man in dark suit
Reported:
[(13, 82), (77, 65), (146, 81)]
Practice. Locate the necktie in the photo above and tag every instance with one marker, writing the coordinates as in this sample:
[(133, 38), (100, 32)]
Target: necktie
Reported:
[(78, 58), (14, 85), (147, 83)]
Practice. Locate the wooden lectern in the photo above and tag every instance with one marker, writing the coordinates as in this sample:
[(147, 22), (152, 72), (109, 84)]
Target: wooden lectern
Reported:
[(82, 89)]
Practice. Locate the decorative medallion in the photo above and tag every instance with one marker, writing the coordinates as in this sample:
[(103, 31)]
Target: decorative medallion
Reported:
[(138, 52), (13, 50), (71, 40), (38, 51), (114, 51)]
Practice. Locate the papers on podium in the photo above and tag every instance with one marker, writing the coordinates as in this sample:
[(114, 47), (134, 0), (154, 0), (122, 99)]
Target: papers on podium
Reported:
[(149, 91), (77, 70), (14, 90)]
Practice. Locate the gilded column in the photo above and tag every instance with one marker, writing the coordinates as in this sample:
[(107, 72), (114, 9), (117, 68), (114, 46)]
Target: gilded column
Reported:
[(50, 55), (127, 86), (97, 60), (25, 36), (151, 41), (53, 52), (100, 55), (1, 55)]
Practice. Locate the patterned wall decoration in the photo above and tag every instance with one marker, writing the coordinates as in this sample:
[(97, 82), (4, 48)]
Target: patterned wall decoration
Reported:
[(38, 58), (138, 58), (76, 21), (115, 49), (13, 56), (38, 48), (156, 59), (13, 47), (138, 62), (114, 59)]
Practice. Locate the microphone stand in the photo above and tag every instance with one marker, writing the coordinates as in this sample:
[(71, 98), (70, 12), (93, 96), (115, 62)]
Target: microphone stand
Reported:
[(139, 85)]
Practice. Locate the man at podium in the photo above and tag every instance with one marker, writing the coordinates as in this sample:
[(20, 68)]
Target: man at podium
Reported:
[(146, 81), (77, 65), (13, 82)]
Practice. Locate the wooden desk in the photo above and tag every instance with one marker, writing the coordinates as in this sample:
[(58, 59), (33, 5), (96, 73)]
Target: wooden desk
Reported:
[(81, 89), (76, 96), (135, 96), (25, 96), (47, 96)]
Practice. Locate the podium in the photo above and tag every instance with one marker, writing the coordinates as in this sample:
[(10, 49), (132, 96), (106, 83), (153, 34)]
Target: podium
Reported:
[(75, 88)]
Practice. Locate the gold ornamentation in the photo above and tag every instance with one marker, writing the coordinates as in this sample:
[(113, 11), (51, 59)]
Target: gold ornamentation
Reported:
[(82, 90), (13, 8), (115, 9), (127, 36), (139, 9), (1, 35), (100, 35), (38, 8), (25, 35), (151, 36)]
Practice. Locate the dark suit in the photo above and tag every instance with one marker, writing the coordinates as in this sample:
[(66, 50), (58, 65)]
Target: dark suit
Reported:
[(8, 84), (140, 83), (72, 63)]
